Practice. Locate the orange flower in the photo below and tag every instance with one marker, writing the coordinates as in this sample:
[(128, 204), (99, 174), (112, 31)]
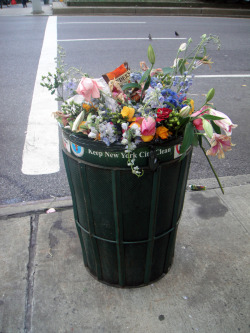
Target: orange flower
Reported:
[(86, 107), (147, 138), (162, 132)]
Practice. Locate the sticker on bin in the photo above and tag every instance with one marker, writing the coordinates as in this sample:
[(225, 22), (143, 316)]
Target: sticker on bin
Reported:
[(77, 150), (177, 151), (66, 143)]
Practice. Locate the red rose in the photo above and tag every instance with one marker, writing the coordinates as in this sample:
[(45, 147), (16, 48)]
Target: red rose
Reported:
[(163, 113)]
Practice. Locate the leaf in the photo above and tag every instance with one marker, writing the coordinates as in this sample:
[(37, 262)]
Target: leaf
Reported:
[(181, 66), (210, 117), (207, 128), (188, 137), (147, 83), (195, 141), (145, 75), (167, 70), (131, 85), (210, 95), (216, 128)]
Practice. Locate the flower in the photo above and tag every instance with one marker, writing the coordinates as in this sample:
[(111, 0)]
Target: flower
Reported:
[(219, 145), (148, 126), (225, 123), (162, 132), (128, 112), (183, 47), (198, 122), (163, 113), (145, 105), (88, 88), (185, 111)]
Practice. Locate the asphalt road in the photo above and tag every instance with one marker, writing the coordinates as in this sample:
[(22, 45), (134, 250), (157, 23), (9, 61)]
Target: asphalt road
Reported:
[(91, 43)]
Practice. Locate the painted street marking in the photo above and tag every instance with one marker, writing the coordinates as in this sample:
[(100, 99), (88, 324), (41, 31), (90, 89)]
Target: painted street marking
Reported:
[(222, 76), (41, 148), (114, 39), (102, 23)]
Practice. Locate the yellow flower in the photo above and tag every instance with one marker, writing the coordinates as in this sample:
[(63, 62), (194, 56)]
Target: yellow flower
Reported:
[(162, 132), (191, 103), (147, 138), (86, 107), (128, 112)]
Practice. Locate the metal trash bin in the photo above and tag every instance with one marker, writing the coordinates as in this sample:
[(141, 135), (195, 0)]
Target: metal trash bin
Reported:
[(127, 225)]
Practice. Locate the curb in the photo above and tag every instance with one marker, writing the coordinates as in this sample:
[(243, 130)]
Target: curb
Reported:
[(60, 8), (34, 207), (64, 203)]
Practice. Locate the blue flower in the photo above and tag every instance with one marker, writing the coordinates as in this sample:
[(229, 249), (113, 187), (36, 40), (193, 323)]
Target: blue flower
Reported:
[(136, 76), (70, 86)]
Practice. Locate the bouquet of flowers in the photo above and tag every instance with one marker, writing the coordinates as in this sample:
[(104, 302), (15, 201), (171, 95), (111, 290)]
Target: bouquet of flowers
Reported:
[(147, 105)]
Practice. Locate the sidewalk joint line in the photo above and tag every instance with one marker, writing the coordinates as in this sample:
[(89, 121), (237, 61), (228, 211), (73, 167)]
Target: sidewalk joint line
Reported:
[(34, 220)]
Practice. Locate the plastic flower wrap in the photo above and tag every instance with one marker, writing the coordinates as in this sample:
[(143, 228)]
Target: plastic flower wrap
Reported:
[(145, 105)]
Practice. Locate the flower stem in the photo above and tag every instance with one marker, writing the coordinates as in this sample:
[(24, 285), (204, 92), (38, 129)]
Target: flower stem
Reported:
[(211, 166)]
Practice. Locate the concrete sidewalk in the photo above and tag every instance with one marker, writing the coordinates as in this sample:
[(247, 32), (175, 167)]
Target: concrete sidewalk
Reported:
[(18, 10), (45, 287), (61, 9)]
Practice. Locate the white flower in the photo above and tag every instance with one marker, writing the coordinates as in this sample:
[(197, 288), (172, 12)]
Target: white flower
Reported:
[(125, 126), (93, 133), (124, 141), (176, 61), (184, 112), (182, 47)]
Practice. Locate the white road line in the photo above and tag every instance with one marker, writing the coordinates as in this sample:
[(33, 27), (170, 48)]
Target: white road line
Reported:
[(102, 23), (222, 76), (41, 148), (102, 39)]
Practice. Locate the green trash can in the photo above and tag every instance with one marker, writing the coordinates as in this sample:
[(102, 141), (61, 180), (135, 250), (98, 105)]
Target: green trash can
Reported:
[(127, 225)]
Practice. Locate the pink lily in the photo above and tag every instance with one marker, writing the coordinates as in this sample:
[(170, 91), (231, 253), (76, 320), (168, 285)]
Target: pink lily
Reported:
[(148, 126), (198, 122), (88, 88), (225, 123), (219, 144)]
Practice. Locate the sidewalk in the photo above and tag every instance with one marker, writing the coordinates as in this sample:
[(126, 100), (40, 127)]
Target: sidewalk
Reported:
[(18, 10), (45, 287), (189, 8), (184, 8)]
